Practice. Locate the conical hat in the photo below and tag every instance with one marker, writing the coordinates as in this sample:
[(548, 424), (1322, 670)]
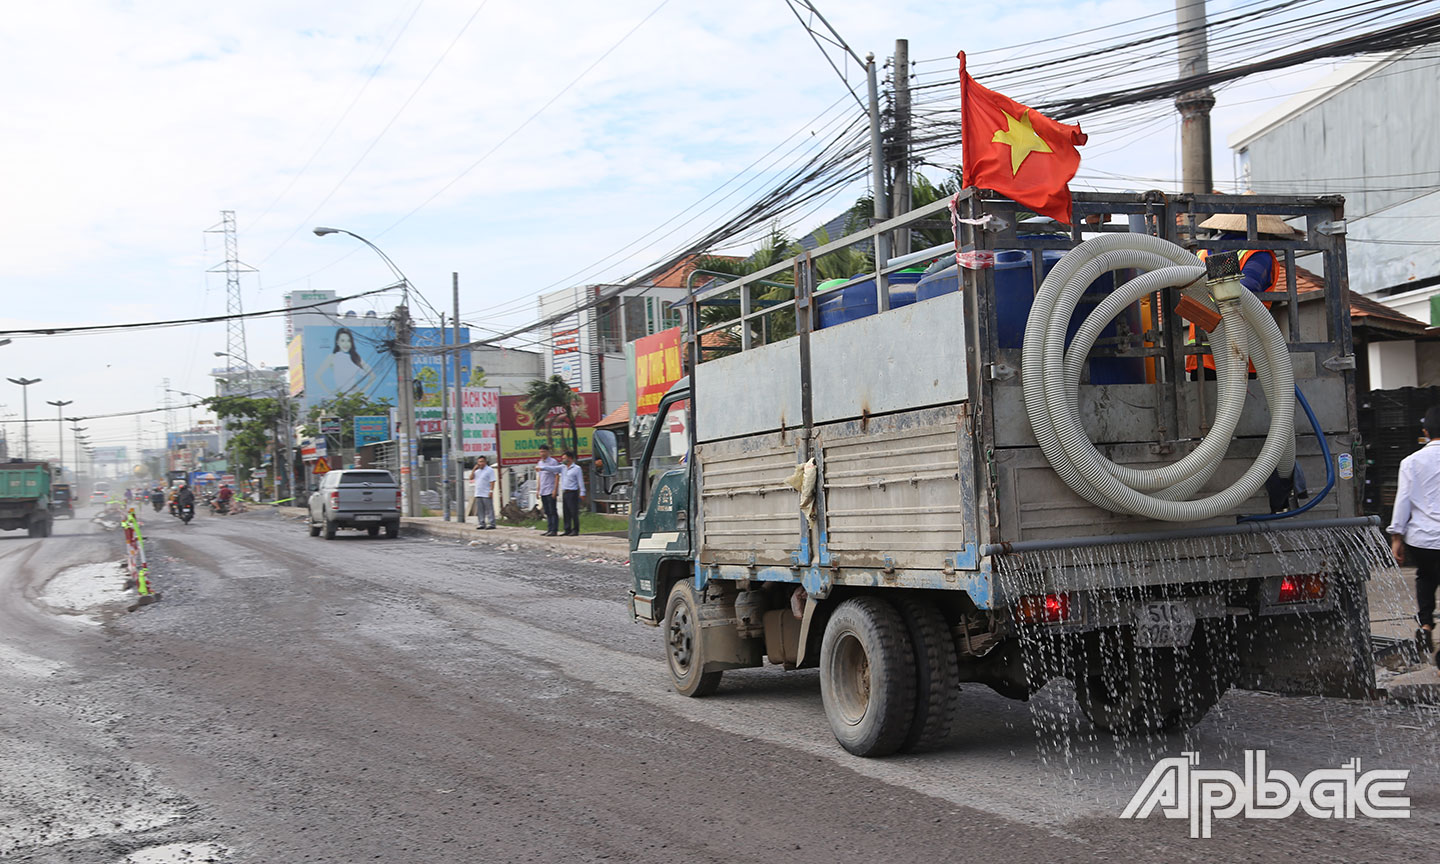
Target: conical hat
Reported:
[(1265, 224)]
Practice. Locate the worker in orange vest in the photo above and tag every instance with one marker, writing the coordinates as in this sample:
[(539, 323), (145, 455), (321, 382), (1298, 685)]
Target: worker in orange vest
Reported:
[(1259, 269)]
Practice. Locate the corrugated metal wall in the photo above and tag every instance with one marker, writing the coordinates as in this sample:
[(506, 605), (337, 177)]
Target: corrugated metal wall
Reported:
[(1372, 141)]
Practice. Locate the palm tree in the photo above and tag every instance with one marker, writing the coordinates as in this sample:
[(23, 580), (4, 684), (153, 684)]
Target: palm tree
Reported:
[(922, 191), (543, 397), (777, 247)]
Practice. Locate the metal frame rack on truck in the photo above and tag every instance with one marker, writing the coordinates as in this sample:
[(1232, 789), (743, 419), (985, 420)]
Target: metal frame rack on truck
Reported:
[(1003, 473)]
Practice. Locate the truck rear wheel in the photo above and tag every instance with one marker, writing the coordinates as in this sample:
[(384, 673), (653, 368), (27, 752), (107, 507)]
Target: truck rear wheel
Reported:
[(867, 676), (329, 529), (684, 649), (937, 675)]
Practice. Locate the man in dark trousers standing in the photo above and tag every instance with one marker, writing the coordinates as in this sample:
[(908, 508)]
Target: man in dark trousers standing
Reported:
[(547, 472), (1415, 527), (572, 489)]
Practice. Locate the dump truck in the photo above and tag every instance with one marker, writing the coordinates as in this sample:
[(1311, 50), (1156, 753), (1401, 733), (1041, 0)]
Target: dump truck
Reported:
[(25, 497), (1004, 460)]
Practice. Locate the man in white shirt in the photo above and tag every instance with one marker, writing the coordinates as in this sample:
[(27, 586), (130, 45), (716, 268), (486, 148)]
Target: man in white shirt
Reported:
[(484, 479), (572, 489), (1415, 527), (548, 471)]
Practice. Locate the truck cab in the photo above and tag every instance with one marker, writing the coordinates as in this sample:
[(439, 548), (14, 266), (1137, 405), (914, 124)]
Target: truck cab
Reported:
[(660, 548)]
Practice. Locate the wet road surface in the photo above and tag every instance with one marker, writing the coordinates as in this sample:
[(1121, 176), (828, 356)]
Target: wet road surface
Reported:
[(293, 699)]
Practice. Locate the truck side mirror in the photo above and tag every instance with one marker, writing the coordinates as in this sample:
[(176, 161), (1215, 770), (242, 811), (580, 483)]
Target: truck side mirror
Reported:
[(607, 453)]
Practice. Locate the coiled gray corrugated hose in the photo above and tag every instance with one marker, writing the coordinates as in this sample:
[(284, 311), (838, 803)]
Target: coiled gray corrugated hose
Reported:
[(1051, 378)]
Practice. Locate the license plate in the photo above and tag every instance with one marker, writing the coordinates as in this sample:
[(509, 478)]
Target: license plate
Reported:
[(374, 518), (1164, 624)]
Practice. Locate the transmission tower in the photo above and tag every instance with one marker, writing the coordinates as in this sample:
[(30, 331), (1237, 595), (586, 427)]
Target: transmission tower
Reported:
[(232, 268)]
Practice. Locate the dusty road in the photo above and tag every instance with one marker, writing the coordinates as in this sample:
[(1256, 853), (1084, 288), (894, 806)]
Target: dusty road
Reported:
[(295, 700)]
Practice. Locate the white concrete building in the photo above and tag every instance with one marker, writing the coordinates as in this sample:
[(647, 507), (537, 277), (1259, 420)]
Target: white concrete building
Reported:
[(1367, 132), (587, 348)]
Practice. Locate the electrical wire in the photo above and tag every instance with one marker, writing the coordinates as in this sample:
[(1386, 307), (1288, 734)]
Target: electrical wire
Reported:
[(100, 328), (375, 67)]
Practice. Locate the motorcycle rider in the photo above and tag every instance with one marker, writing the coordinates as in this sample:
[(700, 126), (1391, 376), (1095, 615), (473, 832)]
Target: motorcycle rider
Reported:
[(157, 498), (184, 497), (222, 498)]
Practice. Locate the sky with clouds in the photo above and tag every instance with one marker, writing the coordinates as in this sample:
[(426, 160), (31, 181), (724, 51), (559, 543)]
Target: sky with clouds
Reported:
[(517, 144)]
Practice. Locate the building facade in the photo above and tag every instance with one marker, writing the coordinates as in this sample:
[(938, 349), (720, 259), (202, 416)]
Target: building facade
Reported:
[(1364, 132), (586, 347)]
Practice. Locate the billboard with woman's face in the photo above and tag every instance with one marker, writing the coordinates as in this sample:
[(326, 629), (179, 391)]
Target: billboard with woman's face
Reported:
[(340, 361)]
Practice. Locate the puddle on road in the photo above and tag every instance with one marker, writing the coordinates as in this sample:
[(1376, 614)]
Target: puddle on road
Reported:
[(83, 591), (178, 853)]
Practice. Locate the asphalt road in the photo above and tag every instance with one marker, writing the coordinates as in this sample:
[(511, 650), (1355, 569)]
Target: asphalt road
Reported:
[(297, 700)]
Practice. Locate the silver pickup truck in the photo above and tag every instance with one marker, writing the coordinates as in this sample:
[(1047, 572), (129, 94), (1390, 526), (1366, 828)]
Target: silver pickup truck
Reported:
[(362, 498)]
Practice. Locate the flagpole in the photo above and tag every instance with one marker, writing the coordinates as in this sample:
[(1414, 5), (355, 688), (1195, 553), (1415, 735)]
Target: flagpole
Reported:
[(877, 183)]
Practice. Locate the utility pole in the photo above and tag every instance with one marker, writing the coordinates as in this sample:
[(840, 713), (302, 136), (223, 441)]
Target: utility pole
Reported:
[(25, 410), (458, 447), (444, 422), (405, 427), (60, 428), (900, 141), (877, 183), (1197, 176), (75, 430)]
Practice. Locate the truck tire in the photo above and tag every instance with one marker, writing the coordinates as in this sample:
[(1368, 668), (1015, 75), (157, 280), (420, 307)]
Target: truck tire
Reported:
[(314, 528), (34, 528), (392, 530), (329, 529), (373, 530), (1126, 690), (684, 649), (867, 676), (937, 674)]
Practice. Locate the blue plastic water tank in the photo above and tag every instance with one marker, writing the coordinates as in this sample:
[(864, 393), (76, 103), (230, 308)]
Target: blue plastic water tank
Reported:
[(1014, 295), (858, 300)]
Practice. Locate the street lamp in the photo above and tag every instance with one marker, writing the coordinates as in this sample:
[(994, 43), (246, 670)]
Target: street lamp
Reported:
[(402, 373), (289, 429), (404, 282), (190, 411), (25, 398), (60, 426), (75, 430)]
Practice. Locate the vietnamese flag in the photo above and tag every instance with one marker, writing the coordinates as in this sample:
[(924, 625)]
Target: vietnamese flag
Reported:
[(1020, 153)]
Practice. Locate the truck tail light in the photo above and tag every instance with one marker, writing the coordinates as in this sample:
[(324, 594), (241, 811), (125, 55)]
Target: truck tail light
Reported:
[(397, 499), (1304, 588), (335, 499), (1043, 608)]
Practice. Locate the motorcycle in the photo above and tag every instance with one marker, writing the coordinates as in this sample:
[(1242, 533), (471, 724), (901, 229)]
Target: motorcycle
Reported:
[(158, 502), (187, 512)]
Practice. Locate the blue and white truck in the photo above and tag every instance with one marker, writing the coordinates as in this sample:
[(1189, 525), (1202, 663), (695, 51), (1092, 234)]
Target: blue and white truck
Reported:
[(1004, 473)]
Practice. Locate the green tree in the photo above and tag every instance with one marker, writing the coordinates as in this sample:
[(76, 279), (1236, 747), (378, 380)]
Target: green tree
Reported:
[(772, 328), (252, 423), (543, 398), (346, 407), (922, 191)]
